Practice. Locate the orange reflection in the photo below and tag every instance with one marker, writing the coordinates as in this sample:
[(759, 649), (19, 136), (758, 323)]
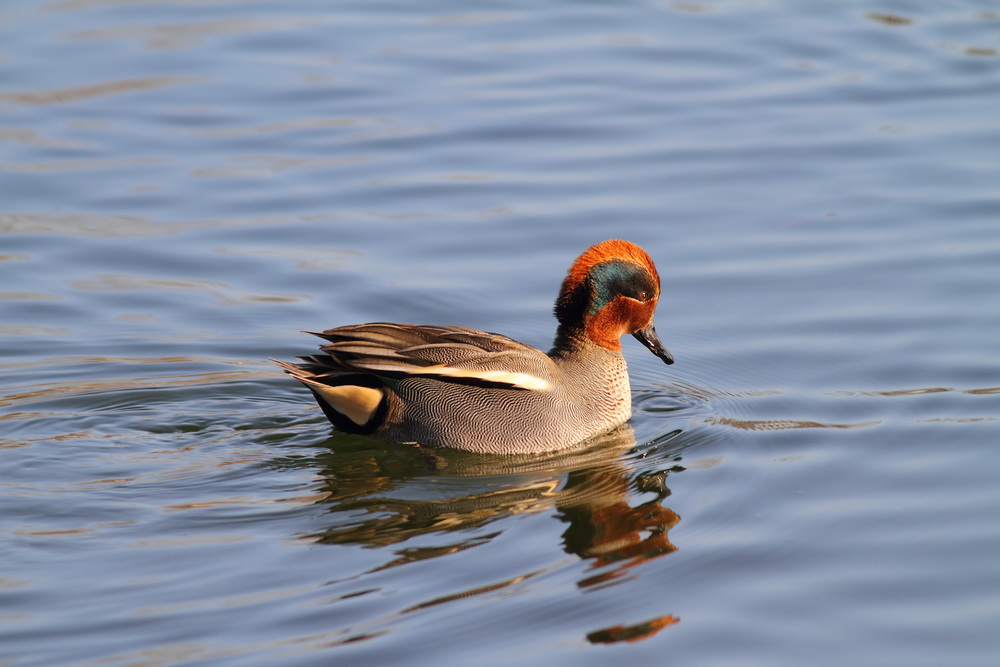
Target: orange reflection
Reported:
[(605, 528), (631, 633)]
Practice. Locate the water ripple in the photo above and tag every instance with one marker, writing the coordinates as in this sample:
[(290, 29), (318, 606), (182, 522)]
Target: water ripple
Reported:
[(97, 90)]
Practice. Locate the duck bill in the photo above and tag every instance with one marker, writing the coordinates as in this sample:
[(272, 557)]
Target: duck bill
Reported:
[(652, 342)]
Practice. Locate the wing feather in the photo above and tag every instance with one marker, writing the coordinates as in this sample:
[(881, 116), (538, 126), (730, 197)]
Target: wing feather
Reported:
[(449, 354)]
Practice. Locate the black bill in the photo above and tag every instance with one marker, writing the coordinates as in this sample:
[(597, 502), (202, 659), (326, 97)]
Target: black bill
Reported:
[(652, 342)]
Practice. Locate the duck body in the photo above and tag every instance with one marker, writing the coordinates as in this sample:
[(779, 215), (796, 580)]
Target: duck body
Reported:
[(483, 392)]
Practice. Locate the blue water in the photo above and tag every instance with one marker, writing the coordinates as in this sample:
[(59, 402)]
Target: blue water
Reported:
[(185, 186)]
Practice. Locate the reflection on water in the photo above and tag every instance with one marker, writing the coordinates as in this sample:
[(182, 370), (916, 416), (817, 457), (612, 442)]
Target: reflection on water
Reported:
[(43, 167), (782, 424), (125, 226), (189, 35), (225, 294), (378, 495), (631, 633), (95, 90), (265, 165), (293, 125)]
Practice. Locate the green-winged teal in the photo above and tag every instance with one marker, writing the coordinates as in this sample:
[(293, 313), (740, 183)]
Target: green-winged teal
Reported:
[(455, 387)]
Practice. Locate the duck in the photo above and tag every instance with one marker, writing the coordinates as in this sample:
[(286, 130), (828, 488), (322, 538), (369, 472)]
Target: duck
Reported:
[(459, 388)]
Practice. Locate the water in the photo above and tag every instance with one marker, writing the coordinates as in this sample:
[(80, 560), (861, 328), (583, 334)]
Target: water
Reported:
[(187, 185)]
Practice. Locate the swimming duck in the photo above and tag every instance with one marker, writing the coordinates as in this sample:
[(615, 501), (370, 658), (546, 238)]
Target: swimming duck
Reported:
[(449, 386)]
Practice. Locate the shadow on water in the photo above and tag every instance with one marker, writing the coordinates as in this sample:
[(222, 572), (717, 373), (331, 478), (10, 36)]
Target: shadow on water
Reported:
[(384, 495)]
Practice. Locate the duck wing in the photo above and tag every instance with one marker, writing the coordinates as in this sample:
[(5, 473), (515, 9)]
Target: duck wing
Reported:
[(446, 353)]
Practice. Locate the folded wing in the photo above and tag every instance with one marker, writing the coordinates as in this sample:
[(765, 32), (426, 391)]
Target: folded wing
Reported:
[(448, 354)]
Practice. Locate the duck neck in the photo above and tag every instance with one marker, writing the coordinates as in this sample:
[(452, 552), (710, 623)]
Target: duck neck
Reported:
[(571, 341)]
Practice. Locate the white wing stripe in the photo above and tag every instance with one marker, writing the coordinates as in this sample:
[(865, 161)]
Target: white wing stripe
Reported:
[(516, 380)]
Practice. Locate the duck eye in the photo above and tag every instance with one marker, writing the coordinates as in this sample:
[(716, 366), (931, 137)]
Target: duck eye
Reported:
[(643, 295)]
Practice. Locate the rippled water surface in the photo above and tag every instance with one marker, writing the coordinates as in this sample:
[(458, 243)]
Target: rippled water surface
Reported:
[(188, 184)]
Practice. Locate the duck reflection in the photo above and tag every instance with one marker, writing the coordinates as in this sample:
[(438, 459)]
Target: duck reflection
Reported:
[(384, 494), (604, 528)]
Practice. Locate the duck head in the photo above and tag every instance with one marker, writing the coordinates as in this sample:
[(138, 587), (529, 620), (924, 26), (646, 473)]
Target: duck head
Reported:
[(611, 290)]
